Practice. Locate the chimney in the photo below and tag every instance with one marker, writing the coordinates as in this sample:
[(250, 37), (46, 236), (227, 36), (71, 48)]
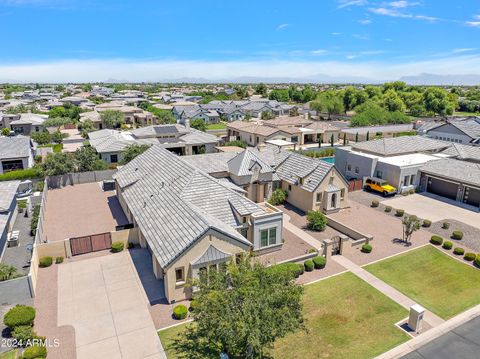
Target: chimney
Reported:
[(305, 115), (187, 124)]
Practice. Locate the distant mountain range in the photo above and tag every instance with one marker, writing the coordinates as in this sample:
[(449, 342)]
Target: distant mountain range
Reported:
[(434, 79)]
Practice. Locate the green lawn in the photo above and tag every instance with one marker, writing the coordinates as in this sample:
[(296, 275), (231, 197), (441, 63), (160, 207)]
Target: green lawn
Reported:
[(12, 354), (433, 279), (346, 318), (217, 126), (466, 113)]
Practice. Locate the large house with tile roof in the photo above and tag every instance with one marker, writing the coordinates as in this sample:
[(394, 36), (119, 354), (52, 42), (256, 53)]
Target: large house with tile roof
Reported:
[(465, 130), (190, 221), (16, 153)]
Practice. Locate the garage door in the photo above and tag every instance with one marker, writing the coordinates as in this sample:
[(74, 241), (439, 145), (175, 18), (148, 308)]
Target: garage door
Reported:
[(472, 196), (442, 188)]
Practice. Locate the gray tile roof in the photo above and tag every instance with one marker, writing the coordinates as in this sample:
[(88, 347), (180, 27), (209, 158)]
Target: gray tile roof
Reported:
[(297, 166), (211, 255), (464, 152), (400, 145), (470, 127), (110, 140), (7, 194), (211, 162), (14, 147), (244, 163), (174, 204), (461, 171)]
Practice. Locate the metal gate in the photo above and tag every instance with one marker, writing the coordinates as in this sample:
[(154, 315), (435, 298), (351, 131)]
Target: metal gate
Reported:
[(93, 243), (337, 245)]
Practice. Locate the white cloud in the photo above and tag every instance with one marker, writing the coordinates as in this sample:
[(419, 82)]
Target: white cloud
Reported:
[(365, 21), (336, 33), (361, 37), (282, 26), (347, 3), (402, 4), (473, 23), (319, 52), (140, 70), (458, 51)]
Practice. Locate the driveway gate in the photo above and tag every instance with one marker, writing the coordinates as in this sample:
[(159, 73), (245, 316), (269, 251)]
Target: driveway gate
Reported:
[(93, 243)]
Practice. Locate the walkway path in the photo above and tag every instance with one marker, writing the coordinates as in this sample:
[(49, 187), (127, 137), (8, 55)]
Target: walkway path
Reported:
[(386, 289), (301, 233)]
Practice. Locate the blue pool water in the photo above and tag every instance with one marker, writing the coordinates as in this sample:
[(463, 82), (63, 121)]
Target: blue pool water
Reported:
[(328, 159)]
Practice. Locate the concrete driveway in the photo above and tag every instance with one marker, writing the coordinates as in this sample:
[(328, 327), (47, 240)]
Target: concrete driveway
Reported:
[(103, 299), (435, 208)]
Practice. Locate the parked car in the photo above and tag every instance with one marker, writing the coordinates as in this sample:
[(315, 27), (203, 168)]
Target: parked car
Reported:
[(379, 185)]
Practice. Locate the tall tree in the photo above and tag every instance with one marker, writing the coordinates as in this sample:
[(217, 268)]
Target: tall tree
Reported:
[(438, 101), (58, 164), (410, 225), (241, 310), (87, 160), (112, 118), (199, 124), (133, 151), (261, 89)]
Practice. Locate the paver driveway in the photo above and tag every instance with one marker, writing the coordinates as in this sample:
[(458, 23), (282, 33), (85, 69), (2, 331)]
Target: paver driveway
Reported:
[(102, 298), (434, 208)]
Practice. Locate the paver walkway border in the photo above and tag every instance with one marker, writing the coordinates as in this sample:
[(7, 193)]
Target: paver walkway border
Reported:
[(386, 289)]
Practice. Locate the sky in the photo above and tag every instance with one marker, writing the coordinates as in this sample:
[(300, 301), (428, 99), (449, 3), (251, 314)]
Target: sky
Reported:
[(152, 40)]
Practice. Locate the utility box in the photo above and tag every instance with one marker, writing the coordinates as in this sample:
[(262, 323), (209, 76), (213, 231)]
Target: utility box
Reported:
[(415, 319)]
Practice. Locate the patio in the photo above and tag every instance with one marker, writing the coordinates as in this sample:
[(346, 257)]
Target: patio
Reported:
[(80, 210)]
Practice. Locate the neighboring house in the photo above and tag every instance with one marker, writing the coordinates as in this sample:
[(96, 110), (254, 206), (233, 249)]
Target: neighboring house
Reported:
[(16, 153), (133, 115), (176, 138), (93, 116), (453, 179), (376, 131), (190, 221), (465, 131), (74, 100), (28, 123), (8, 206), (311, 184), (295, 130), (396, 160)]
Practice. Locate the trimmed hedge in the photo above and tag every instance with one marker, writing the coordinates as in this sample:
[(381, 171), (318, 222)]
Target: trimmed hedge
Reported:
[(469, 256), (427, 223), (375, 203), (477, 260), (19, 315), (399, 212), (58, 260), (319, 262), (23, 333), (459, 251), (437, 240), (21, 174), (388, 209), (117, 246), (367, 248), (180, 312), (447, 245), (446, 225), (308, 264), (35, 352), (458, 235), (45, 262)]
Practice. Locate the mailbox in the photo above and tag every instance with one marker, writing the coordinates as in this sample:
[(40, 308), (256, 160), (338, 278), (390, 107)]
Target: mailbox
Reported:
[(417, 312)]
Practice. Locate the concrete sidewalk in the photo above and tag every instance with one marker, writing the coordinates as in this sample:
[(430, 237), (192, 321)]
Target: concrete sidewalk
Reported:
[(386, 289), (301, 233)]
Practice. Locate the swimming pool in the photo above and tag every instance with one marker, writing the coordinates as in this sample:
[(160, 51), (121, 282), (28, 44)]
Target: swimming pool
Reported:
[(328, 159)]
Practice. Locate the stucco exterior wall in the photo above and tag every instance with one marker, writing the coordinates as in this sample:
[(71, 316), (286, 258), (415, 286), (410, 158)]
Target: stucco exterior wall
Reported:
[(177, 292)]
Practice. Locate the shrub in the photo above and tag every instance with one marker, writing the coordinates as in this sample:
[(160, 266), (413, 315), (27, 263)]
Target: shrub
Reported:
[(447, 245), (45, 262), (469, 256), (477, 260), (19, 315), (458, 235), (35, 352), (180, 312), (58, 260), (459, 251), (388, 209), (279, 196), (21, 174), (193, 305), (117, 246), (375, 203), (316, 221), (399, 212), (308, 264), (293, 269), (411, 191), (23, 333), (312, 250), (427, 223), (367, 248), (319, 262), (446, 225), (437, 240), (34, 220)]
